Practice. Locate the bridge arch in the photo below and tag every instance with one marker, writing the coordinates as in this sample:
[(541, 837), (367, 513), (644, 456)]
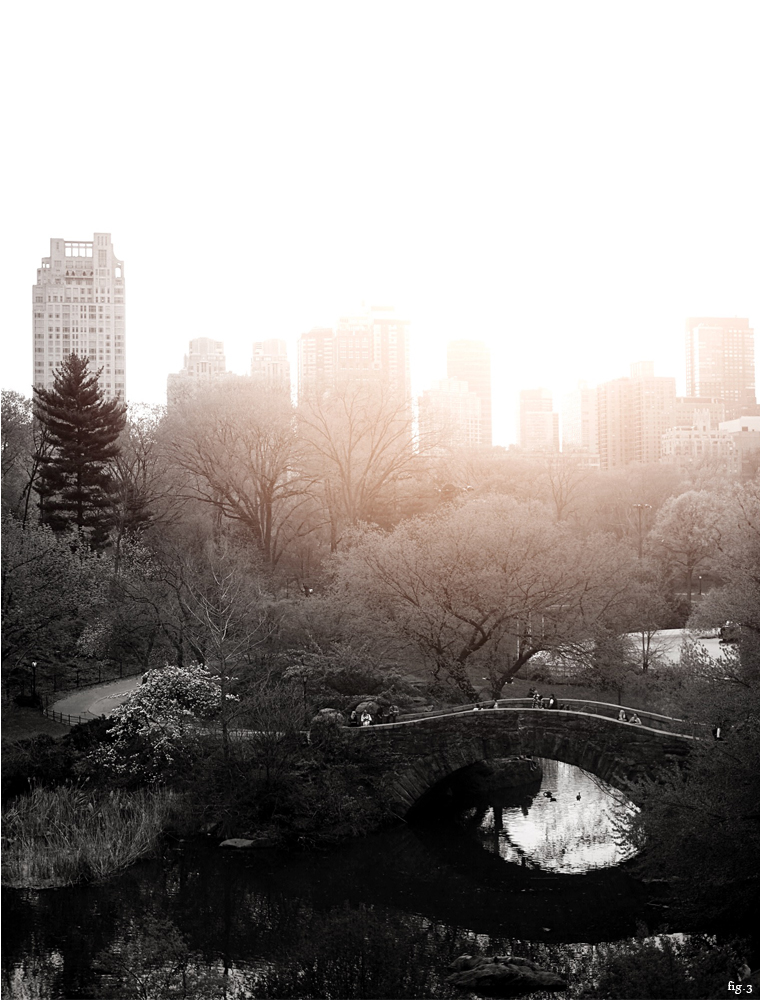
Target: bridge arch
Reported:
[(421, 752)]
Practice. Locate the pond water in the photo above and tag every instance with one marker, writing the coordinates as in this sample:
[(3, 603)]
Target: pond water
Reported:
[(381, 916)]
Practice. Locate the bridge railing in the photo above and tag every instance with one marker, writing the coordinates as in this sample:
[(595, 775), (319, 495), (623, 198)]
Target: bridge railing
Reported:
[(651, 720)]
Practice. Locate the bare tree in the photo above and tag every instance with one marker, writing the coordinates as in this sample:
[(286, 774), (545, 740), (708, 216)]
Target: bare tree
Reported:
[(237, 443), (358, 438)]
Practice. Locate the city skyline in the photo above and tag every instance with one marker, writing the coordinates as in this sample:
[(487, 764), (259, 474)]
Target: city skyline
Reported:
[(522, 181)]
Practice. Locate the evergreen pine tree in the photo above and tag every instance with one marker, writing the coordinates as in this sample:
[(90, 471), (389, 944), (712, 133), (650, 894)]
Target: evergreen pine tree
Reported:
[(81, 430)]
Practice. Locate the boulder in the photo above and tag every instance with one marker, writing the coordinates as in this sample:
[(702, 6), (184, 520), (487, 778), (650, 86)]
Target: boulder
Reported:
[(503, 976)]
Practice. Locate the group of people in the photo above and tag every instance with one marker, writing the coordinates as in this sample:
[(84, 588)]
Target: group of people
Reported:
[(538, 701), (367, 719), (634, 719)]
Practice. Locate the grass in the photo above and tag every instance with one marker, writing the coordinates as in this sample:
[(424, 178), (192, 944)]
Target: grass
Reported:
[(22, 723), (59, 836)]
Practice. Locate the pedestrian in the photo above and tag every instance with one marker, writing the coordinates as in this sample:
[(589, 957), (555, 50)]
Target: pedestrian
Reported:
[(354, 719), (366, 718), (552, 702), (393, 712), (536, 699), (635, 720), (622, 717)]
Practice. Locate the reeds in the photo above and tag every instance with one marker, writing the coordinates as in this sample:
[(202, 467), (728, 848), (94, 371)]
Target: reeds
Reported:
[(58, 836)]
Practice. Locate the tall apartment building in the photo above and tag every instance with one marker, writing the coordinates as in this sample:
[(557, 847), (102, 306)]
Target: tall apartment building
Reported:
[(270, 361), (449, 417), (78, 307), (720, 362), (370, 347), (538, 423), (632, 415), (470, 361), (204, 362), (579, 420)]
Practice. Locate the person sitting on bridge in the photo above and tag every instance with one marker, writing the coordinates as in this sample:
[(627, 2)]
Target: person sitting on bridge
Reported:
[(366, 718), (622, 717), (635, 720)]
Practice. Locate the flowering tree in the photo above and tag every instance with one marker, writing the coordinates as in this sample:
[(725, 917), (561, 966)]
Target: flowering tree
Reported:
[(156, 727)]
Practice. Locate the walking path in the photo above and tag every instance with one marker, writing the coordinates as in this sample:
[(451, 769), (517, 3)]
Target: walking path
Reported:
[(91, 702)]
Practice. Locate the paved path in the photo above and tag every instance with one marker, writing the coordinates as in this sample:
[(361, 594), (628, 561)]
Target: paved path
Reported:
[(89, 703)]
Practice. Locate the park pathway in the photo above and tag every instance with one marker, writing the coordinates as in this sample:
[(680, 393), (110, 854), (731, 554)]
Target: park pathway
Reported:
[(91, 702)]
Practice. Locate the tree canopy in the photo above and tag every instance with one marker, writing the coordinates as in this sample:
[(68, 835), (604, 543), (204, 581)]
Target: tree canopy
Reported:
[(81, 431)]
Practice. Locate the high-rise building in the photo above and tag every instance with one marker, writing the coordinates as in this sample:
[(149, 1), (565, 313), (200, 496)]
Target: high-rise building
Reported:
[(537, 422), (78, 307), (470, 361), (449, 417), (370, 347), (720, 362), (579, 420), (632, 415), (270, 361), (204, 362)]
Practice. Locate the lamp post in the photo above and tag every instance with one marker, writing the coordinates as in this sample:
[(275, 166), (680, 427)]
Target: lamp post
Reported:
[(640, 507), (34, 678)]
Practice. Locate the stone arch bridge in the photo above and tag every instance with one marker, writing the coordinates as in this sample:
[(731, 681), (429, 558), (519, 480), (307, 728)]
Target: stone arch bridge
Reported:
[(419, 752)]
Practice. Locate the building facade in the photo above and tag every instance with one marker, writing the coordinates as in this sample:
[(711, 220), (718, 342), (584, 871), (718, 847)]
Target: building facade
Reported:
[(720, 362), (538, 424), (632, 415), (372, 346), (78, 306), (701, 445), (270, 361), (470, 361), (449, 417), (579, 432), (204, 362)]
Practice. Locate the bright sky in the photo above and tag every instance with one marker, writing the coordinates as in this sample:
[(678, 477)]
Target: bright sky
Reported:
[(567, 181)]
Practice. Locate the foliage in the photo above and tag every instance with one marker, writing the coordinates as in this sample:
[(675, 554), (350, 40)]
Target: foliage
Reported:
[(358, 440), (238, 448), (665, 968), (55, 837), (688, 529), (491, 580), (51, 587), (154, 731), (82, 428), (700, 824)]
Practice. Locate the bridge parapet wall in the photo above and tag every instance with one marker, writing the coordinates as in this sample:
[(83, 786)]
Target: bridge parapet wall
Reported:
[(426, 751)]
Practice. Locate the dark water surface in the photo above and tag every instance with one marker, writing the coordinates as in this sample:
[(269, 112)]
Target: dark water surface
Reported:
[(381, 916)]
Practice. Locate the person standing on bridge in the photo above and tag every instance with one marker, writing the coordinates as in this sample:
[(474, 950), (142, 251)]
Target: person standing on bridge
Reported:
[(552, 702), (536, 699), (366, 719), (393, 713)]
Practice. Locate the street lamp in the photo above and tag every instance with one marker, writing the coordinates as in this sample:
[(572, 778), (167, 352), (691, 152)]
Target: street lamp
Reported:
[(34, 678), (641, 507)]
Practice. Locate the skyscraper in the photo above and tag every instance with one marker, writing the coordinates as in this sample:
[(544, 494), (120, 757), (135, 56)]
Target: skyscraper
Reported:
[(632, 415), (538, 423), (204, 362), (270, 361), (720, 362), (579, 420), (372, 346), (78, 307), (470, 361), (449, 417)]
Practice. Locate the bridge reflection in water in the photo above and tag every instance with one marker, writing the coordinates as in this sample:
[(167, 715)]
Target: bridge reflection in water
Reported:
[(572, 825)]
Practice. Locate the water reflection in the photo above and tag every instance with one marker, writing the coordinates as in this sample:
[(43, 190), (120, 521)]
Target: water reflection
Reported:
[(570, 826)]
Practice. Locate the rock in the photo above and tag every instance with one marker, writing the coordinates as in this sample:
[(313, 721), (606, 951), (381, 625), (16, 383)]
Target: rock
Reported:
[(502, 976), (237, 842)]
